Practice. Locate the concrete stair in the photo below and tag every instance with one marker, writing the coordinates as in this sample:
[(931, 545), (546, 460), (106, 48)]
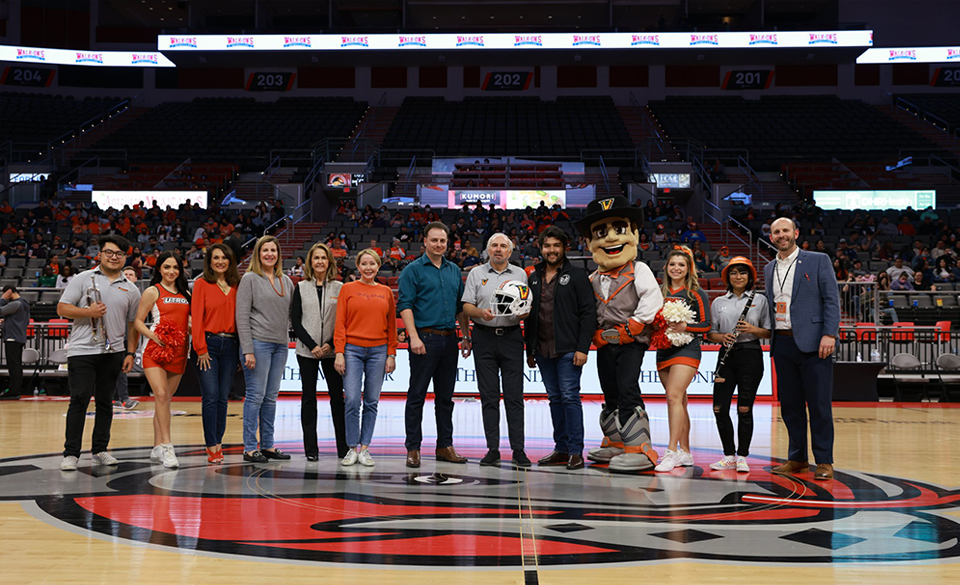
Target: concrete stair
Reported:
[(638, 123), (90, 138), (292, 239)]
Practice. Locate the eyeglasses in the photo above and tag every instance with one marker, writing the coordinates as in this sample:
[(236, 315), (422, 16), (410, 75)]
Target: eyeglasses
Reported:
[(112, 254)]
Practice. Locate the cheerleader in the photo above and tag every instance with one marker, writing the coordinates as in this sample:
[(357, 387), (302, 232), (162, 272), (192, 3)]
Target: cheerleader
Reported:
[(168, 301), (678, 365), (743, 367)]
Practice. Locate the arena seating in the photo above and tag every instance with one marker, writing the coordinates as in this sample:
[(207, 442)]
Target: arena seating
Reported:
[(40, 118), (239, 131), (779, 128), (507, 126), (942, 105)]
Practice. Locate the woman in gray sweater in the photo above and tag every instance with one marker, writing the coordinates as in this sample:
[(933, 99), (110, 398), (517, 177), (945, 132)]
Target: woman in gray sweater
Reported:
[(313, 314), (263, 308)]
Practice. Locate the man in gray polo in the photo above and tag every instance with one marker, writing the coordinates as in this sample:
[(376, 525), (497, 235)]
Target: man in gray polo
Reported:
[(97, 351), (497, 350)]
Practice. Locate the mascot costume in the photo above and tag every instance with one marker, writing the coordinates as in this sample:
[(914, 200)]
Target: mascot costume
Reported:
[(628, 299)]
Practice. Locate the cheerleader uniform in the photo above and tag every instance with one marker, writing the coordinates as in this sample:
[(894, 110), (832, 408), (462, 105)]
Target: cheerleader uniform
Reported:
[(175, 308), (689, 354)]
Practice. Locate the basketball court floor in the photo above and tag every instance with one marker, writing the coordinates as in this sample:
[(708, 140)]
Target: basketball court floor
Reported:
[(892, 515)]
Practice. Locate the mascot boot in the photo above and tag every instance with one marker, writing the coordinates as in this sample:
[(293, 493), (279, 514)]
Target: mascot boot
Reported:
[(638, 452), (611, 445)]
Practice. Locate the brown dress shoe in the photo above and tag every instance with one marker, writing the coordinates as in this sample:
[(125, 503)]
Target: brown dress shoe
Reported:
[(575, 462), (413, 459), (450, 455), (824, 471), (791, 467), (554, 458)]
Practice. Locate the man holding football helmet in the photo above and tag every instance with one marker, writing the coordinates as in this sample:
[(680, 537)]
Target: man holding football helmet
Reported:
[(496, 299)]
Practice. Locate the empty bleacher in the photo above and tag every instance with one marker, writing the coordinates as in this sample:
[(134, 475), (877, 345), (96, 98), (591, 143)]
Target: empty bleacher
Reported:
[(40, 118)]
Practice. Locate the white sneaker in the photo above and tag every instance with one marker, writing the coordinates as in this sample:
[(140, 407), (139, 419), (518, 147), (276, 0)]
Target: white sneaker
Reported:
[(728, 462), (742, 466), (105, 458), (169, 457), (69, 463), (156, 454), (669, 460), (686, 459), (365, 459), (350, 458)]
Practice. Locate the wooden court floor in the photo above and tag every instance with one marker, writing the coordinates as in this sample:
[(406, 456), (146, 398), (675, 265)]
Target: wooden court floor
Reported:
[(892, 515)]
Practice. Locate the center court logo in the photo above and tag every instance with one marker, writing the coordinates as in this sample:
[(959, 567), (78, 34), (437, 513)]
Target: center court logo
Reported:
[(406, 41), (697, 39), (902, 55), (354, 42), (145, 59), (764, 39), (236, 42), (297, 42), (470, 41), (638, 40), (822, 39), (176, 42), (36, 54), (527, 41), (586, 40), (313, 515), (89, 58)]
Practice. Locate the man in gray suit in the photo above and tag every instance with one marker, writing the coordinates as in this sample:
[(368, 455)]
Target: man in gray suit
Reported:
[(805, 302)]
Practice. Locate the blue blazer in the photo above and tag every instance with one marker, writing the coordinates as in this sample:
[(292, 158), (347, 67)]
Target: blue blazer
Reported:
[(815, 304)]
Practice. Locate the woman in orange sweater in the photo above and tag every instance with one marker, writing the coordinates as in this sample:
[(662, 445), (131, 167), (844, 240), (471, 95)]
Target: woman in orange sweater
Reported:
[(365, 340), (215, 341)]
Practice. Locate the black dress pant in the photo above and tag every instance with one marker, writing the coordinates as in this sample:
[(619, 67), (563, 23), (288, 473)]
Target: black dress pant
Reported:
[(499, 357), (91, 375), (13, 351), (309, 369)]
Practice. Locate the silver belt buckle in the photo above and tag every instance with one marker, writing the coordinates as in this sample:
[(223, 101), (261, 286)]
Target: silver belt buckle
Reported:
[(498, 331)]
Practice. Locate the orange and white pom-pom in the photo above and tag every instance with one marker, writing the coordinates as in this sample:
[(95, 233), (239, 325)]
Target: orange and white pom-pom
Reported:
[(677, 311), (174, 338)]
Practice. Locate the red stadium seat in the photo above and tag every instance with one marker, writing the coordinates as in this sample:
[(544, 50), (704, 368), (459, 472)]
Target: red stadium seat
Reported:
[(903, 331), (866, 332), (943, 331), (59, 330)]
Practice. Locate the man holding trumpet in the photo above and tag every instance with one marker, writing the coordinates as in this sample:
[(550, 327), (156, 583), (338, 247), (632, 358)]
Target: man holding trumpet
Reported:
[(103, 305)]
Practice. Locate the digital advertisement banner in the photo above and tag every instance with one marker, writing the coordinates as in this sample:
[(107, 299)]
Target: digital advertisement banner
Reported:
[(910, 55), (550, 41), (875, 200), (396, 383), (117, 199), (90, 58)]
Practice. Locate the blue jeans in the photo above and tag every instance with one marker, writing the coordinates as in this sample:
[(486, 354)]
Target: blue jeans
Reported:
[(215, 385), (263, 386), (365, 367), (562, 381), (440, 365)]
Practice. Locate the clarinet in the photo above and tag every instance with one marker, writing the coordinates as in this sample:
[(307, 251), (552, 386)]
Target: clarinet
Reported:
[(736, 330)]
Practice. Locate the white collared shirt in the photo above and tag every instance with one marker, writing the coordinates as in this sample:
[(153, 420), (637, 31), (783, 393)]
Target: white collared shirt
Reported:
[(782, 285)]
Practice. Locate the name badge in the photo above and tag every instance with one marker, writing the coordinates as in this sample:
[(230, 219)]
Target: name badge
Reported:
[(781, 312)]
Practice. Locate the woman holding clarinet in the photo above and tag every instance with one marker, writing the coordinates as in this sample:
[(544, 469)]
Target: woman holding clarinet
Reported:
[(740, 320)]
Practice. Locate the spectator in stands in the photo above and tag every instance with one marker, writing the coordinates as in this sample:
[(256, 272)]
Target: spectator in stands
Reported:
[(902, 282), (700, 261), (263, 308), (66, 275), (840, 270), (15, 311), (823, 249), (906, 227), (898, 267), (337, 249), (857, 271), (6, 208), (3, 257), (927, 227), (721, 260), (921, 281), (645, 245), (929, 213), (718, 172), (886, 228), (36, 250), (765, 226), (659, 235), (47, 278), (297, 270), (395, 256), (151, 260), (194, 253), (944, 272), (10, 229), (376, 248), (93, 249)]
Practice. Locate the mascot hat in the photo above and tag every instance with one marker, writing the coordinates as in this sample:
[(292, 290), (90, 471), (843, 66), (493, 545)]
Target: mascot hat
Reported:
[(616, 206)]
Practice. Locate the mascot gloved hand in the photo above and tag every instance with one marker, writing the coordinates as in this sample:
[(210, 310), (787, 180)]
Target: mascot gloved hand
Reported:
[(628, 299)]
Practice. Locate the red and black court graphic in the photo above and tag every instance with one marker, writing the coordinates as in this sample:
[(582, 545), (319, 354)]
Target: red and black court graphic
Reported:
[(446, 515)]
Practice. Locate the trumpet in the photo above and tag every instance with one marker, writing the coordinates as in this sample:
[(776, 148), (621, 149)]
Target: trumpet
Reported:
[(99, 330)]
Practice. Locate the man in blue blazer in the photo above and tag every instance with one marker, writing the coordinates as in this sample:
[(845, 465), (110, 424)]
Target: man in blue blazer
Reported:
[(805, 302)]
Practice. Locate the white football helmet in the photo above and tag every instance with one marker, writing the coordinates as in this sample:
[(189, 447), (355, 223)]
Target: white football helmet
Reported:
[(511, 299)]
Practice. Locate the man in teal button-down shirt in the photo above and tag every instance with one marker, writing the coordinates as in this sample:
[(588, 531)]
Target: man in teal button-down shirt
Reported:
[(431, 293)]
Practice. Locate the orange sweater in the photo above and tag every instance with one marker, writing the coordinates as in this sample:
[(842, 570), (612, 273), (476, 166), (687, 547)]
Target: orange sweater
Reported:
[(211, 311), (366, 316)]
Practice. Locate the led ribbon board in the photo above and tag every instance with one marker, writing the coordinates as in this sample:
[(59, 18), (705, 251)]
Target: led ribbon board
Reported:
[(911, 55), (40, 55), (500, 41)]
